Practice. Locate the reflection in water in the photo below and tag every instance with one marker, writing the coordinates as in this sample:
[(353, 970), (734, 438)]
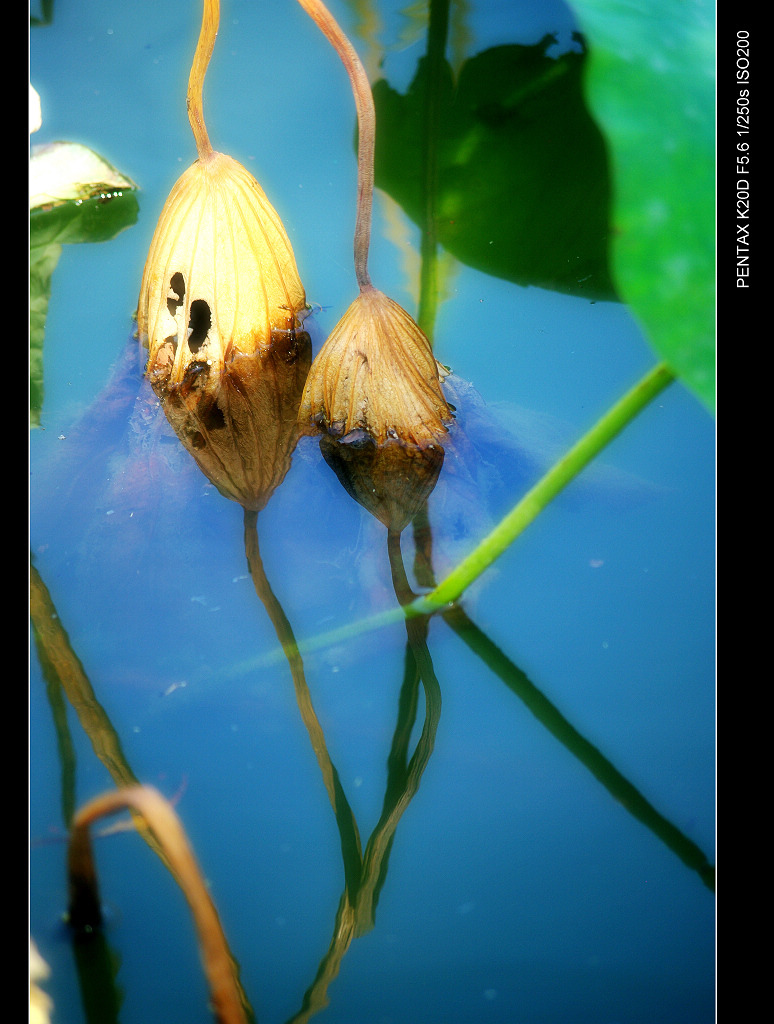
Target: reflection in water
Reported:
[(247, 464), (96, 965), (365, 875), (391, 476), (404, 479), (64, 674), (619, 787), (238, 423)]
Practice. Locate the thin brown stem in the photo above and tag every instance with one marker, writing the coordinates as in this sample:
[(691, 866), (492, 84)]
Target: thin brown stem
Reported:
[(201, 60), (345, 818), (63, 667), (366, 125), (228, 999)]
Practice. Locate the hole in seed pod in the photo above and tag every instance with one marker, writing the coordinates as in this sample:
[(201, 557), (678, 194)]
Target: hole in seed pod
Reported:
[(213, 418), (177, 288), (199, 324)]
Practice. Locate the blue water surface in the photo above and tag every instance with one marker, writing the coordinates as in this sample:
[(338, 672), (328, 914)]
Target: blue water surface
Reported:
[(521, 887)]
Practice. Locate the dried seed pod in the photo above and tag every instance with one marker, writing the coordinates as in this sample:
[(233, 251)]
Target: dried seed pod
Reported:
[(376, 375), (220, 310), (220, 276), (391, 481), (241, 428)]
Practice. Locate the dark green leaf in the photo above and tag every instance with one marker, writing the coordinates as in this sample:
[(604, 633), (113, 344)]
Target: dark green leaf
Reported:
[(91, 220), (505, 166)]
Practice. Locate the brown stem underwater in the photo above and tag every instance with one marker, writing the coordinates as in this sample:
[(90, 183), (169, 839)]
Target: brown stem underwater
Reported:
[(228, 1000)]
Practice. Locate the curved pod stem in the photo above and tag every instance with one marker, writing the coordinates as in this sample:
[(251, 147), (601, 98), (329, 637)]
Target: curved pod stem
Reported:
[(204, 47), (366, 125), (228, 1000)]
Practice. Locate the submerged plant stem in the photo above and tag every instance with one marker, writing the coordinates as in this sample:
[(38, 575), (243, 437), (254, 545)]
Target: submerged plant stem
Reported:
[(366, 126), (345, 818), (619, 787), (201, 60), (228, 999), (63, 670)]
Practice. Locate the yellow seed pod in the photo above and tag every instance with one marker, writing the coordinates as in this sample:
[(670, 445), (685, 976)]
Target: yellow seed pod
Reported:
[(220, 276), (376, 374)]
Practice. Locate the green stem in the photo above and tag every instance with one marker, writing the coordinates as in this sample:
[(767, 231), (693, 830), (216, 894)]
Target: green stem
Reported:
[(434, 62), (508, 529), (554, 481)]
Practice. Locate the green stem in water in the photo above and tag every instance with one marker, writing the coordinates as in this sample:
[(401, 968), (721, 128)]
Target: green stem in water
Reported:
[(554, 481), (516, 521), (434, 64), (366, 130), (619, 787), (201, 60)]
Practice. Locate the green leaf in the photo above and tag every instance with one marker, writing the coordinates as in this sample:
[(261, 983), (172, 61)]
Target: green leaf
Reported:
[(650, 83), (43, 260), (91, 220), (504, 166), (75, 196)]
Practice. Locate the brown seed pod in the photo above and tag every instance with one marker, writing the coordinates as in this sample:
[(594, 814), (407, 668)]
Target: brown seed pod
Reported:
[(390, 481), (376, 374), (241, 426)]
